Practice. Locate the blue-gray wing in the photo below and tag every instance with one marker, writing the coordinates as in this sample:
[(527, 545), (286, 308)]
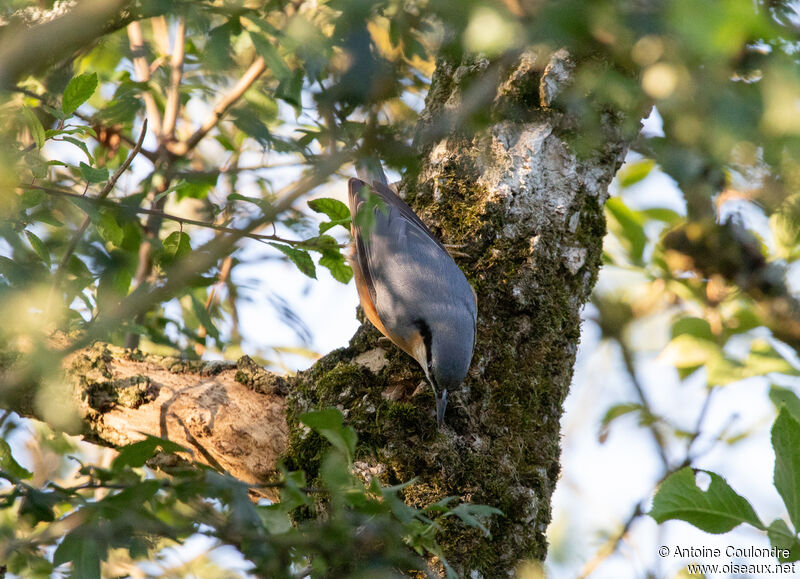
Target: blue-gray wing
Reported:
[(411, 278)]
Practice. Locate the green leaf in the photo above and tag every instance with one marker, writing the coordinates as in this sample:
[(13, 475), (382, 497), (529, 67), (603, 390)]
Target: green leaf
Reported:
[(39, 247), (716, 510), (275, 63), (262, 203), (634, 172), (276, 519), (35, 126), (138, 453), (46, 216), (109, 229), (9, 465), (336, 264), (292, 494), (612, 414), (697, 327), (787, 398), (37, 505), (81, 145), (782, 538), (176, 245), (329, 423), (31, 198), (78, 92), (299, 257), (785, 226), (786, 444), (130, 498), (93, 175), (471, 515), (204, 318), (114, 283), (668, 216), (763, 358), (688, 351), (333, 208), (629, 226), (290, 89), (85, 553)]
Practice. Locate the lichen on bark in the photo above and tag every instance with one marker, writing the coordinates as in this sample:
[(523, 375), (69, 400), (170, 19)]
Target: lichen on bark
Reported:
[(528, 214)]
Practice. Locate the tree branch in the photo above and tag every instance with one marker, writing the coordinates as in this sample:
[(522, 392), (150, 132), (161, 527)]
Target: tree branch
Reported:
[(142, 68), (176, 74), (253, 72), (29, 46), (100, 197), (163, 215), (658, 439), (231, 415)]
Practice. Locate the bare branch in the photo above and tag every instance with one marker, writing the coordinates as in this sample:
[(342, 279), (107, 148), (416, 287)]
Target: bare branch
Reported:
[(161, 34), (142, 69), (627, 358), (163, 215), (612, 545), (249, 77), (31, 46), (231, 416), (173, 95), (222, 278)]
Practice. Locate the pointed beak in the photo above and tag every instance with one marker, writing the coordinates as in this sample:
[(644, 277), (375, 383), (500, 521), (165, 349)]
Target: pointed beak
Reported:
[(441, 405)]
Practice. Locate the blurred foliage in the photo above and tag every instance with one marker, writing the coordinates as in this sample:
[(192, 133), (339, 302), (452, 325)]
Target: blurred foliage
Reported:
[(123, 513), (308, 87)]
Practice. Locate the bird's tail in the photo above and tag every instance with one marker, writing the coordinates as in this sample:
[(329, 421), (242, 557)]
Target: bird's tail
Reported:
[(370, 170)]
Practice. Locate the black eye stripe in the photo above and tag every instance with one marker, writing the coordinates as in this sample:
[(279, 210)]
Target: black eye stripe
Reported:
[(425, 332)]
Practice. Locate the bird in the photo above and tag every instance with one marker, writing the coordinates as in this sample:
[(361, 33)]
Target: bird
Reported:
[(408, 284)]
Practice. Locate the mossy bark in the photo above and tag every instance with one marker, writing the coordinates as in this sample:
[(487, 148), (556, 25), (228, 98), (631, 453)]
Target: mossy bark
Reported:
[(527, 215)]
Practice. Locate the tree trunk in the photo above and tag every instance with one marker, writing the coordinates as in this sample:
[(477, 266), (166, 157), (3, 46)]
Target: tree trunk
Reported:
[(527, 215)]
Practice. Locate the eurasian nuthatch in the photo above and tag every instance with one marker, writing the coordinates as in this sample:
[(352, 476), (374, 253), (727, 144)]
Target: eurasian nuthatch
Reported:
[(409, 286)]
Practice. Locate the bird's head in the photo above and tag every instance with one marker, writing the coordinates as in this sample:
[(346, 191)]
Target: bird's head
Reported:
[(448, 356)]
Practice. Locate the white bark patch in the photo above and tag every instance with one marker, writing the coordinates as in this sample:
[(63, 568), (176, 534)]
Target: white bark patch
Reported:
[(532, 175), (595, 181), (574, 258), (556, 75), (374, 360)]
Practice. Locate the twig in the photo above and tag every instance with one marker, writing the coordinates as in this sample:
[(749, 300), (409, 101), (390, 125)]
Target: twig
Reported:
[(699, 424), (161, 34), (629, 366), (176, 74), (236, 169), (176, 218), (100, 197), (168, 152), (142, 69), (222, 107), (206, 256), (611, 546), (202, 331)]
